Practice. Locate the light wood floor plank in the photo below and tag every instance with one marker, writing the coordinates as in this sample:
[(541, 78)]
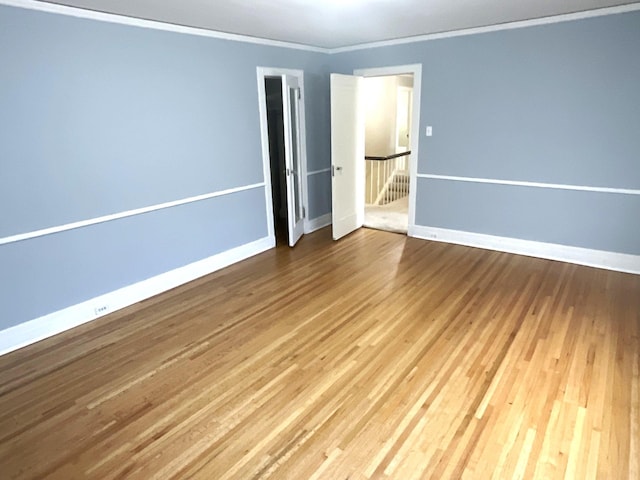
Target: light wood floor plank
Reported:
[(376, 357)]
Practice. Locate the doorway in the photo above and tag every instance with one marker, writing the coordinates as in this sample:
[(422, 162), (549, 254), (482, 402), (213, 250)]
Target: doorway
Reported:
[(277, 161), (387, 152), (282, 125), (348, 172)]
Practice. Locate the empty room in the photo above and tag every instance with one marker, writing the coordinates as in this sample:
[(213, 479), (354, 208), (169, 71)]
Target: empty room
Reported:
[(193, 284)]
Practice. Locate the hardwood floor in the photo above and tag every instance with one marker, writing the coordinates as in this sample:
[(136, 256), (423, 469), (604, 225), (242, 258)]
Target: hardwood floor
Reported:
[(379, 356)]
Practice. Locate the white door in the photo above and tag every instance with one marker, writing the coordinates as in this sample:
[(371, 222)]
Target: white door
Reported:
[(403, 119), (291, 100), (347, 154)]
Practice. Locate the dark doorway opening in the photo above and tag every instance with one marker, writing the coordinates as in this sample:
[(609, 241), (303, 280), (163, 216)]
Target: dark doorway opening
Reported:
[(275, 122)]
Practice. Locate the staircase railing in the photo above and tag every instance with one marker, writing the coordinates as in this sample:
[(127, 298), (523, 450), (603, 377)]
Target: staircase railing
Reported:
[(387, 178)]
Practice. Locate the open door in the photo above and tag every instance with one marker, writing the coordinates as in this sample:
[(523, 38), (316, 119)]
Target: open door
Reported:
[(291, 115), (347, 154)]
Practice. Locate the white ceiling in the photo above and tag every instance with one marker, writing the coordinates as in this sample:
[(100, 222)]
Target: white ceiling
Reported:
[(338, 23)]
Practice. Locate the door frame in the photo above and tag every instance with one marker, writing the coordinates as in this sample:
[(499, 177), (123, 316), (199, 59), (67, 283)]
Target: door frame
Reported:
[(416, 70), (262, 73)]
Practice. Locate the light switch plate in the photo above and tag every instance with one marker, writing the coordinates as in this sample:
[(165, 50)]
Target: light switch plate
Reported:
[(429, 131)]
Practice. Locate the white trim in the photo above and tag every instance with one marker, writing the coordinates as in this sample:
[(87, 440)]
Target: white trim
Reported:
[(129, 213), (600, 12), (44, 6), (317, 223), (316, 172), (416, 70), (262, 73), (558, 186), (46, 326), (582, 256)]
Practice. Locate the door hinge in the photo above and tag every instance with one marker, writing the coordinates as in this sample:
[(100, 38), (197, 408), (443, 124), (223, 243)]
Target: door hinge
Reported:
[(299, 93), (304, 212)]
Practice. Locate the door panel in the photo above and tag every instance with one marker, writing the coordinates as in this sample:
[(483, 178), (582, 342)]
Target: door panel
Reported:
[(403, 119), (291, 98), (347, 154)]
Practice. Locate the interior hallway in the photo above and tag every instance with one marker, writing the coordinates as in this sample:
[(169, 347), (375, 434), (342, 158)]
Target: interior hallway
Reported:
[(392, 217)]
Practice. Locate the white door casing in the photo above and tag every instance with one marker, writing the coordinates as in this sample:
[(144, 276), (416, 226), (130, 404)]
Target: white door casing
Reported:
[(347, 154)]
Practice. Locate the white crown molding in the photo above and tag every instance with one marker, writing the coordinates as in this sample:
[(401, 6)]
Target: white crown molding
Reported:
[(582, 256), (129, 213), (44, 6), (556, 186), (600, 12), (46, 326)]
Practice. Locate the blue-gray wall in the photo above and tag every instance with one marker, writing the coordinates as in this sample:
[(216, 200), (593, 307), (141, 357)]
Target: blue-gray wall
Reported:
[(555, 104), (99, 118)]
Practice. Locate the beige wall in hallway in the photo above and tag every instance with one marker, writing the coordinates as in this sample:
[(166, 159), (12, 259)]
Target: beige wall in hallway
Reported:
[(381, 95)]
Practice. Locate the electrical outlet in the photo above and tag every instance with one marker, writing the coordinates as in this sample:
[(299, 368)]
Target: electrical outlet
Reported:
[(101, 310)]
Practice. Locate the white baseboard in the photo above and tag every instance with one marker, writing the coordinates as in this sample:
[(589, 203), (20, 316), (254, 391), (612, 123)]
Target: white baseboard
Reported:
[(46, 326), (582, 256), (317, 223)]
